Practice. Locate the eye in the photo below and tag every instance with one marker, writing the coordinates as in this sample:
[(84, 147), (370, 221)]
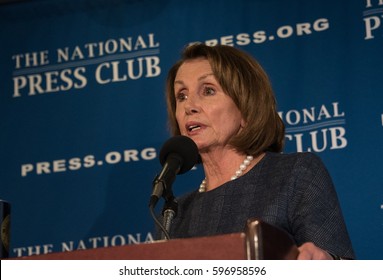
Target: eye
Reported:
[(181, 96), (209, 91)]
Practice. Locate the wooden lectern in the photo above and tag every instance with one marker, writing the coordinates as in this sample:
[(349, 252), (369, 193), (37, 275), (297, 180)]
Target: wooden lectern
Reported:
[(259, 241)]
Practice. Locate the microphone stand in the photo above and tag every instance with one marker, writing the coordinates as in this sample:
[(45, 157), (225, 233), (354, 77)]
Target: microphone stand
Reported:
[(178, 155), (169, 212)]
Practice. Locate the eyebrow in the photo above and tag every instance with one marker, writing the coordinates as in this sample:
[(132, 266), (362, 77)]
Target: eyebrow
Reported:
[(199, 79), (205, 76)]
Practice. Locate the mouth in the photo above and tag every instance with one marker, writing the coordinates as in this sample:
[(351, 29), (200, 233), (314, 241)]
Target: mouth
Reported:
[(192, 128)]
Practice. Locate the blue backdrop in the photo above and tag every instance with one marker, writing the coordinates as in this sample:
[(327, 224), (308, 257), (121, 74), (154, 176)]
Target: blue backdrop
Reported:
[(83, 113)]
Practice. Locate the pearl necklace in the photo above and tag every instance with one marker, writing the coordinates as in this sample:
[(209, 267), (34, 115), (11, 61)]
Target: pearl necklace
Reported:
[(246, 162)]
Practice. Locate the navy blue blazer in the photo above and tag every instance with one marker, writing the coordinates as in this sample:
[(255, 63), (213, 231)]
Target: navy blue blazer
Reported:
[(291, 191)]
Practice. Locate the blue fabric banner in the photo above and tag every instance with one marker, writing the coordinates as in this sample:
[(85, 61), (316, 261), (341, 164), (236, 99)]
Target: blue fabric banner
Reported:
[(83, 113)]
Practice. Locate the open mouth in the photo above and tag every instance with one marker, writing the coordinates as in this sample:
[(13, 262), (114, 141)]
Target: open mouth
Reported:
[(193, 128)]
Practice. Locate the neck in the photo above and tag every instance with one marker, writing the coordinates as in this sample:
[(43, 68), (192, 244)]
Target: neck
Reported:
[(221, 167)]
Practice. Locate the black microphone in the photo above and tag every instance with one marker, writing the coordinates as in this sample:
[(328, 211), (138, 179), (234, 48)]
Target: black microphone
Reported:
[(177, 156)]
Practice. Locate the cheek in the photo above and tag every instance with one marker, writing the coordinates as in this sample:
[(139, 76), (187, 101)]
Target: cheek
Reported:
[(178, 116), (232, 120)]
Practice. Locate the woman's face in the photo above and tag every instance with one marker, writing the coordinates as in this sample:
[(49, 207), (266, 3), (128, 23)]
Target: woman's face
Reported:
[(203, 111)]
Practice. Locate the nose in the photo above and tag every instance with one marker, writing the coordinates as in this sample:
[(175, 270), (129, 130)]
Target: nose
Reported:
[(192, 105)]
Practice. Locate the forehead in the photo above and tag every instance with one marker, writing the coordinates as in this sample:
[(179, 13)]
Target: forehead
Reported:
[(194, 68)]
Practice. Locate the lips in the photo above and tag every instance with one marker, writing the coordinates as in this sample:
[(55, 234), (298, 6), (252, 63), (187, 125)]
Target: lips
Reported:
[(193, 127)]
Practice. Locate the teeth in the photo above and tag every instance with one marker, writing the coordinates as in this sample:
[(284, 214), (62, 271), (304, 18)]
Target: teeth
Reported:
[(194, 127)]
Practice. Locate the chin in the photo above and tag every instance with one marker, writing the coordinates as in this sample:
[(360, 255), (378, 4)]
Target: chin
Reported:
[(196, 141)]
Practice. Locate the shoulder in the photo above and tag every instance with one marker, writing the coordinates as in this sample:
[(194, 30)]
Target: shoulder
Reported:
[(292, 156), (296, 160), (297, 165)]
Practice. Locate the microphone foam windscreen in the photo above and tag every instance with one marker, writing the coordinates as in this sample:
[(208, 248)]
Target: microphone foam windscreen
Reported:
[(183, 147)]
